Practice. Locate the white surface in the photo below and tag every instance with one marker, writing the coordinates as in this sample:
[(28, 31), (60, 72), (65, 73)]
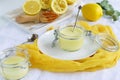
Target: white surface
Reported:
[(10, 35), (35, 74), (45, 46)]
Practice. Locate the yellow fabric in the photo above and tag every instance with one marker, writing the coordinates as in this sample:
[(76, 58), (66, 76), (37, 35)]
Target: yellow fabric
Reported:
[(100, 60)]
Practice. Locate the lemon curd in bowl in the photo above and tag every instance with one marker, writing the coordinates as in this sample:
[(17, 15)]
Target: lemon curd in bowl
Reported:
[(14, 63), (69, 39), (14, 72)]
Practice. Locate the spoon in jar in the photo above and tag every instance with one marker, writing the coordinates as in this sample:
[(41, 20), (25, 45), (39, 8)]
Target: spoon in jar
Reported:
[(55, 32), (77, 17)]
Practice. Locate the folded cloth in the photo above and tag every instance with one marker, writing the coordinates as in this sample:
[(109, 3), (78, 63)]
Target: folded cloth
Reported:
[(100, 60)]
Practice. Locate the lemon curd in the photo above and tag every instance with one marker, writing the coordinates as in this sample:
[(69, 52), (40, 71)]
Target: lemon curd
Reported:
[(70, 40), (14, 67)]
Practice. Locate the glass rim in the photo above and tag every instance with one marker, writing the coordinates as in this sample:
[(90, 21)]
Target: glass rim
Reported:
[(13, 49), (106, 37), (70, 37)]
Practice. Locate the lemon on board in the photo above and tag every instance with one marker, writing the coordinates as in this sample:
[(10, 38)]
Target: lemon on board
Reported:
[(70, 2), (32, 7), (92, 11), (59, 6), (45, 4)]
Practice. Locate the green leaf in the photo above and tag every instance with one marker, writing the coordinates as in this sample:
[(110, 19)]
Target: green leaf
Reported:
[(116, 15), (104, 2), (109, 10), (109, 7)]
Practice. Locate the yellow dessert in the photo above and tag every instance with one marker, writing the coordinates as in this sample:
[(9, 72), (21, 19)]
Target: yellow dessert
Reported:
[(71, 40), (14, 67)]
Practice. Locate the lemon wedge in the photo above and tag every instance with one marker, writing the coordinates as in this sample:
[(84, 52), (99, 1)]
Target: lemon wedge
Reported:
[(32, 7), (59, 6)]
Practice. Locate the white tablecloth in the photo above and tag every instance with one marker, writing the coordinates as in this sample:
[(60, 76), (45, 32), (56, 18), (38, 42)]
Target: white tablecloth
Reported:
[(11, 35)]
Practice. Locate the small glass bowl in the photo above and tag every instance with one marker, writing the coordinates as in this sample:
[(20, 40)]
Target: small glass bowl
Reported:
[(14, 63)]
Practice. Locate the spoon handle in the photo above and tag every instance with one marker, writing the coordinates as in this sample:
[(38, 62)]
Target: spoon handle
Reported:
[(77, 17), (31, 39)]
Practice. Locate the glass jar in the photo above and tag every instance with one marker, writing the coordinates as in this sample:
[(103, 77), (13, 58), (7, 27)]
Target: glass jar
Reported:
[(104, 41), (14, 63), (70, 40)]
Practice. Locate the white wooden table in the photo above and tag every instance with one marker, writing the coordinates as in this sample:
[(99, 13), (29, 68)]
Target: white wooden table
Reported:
[(10, 35)]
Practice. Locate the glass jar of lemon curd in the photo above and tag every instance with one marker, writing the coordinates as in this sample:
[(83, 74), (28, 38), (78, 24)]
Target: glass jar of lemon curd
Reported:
[(70, 39)]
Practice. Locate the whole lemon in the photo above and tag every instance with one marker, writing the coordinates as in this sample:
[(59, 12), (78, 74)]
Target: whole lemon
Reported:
[(92, 11)]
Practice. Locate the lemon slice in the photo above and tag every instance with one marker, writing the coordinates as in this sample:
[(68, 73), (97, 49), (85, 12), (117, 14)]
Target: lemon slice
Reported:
[(32, 7), (59, 6), (45, 4)]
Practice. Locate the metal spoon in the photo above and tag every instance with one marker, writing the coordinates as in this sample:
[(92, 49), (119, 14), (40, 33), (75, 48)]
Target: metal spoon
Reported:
[(32, 38), (77, 17)]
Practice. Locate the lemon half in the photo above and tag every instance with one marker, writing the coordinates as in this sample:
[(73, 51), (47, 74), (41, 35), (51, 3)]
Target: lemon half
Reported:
[(59, 6), (32, 7)]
